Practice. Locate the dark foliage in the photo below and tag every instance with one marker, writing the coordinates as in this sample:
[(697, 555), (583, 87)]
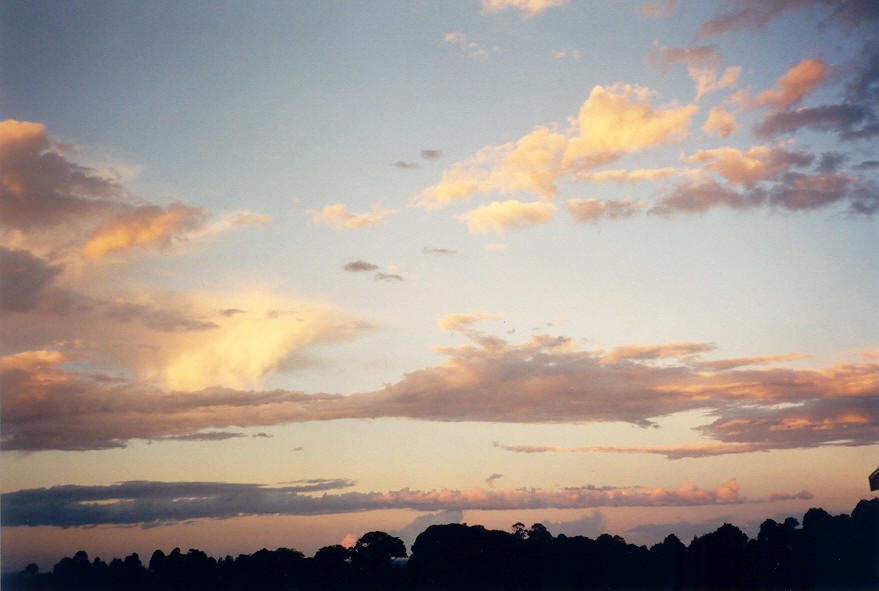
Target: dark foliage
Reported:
[(827, 552)]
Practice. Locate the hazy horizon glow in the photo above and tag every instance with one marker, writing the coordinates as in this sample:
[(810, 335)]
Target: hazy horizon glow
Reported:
[(279, 275)]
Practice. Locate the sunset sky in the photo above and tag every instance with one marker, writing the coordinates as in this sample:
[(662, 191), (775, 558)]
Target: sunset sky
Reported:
[(279, 274)]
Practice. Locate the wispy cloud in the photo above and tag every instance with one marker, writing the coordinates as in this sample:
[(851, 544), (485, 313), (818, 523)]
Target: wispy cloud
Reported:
[(467, 47), (339, 217), (511, 214), (528, 8)]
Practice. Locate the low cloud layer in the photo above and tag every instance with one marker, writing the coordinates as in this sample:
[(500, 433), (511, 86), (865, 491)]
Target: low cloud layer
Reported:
[(757, 404), (152, 503)]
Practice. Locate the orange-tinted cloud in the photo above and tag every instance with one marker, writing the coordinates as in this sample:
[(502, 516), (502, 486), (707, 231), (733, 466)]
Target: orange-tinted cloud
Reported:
[(528, 8), (798, 81), (758, 163), (145, 226), (340, 218), (544, 380), (499, 216), (758, 13), (614, 120), (720, 122)]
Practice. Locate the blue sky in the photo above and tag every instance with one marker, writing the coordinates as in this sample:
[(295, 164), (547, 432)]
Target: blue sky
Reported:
[(412, 245)]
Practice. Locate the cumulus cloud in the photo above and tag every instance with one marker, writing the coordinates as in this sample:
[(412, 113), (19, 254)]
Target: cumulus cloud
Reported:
[(720, 122), (338, 217), (510, 214), (548, 379), (51, 205), (147, 502), (357, 266), (591, 525), (703, 65), (528, 8), (614, 120), (593, 210), (409, 532)]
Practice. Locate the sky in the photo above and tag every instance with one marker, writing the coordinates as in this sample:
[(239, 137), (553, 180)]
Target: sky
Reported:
[(279, 274)]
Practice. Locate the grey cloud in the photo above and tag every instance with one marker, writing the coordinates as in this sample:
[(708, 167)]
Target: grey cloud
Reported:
[(387, 277), (490, 480), (231, 312), (794, 191), (868, 165), (152, 503), (410, 531), (831, 162), (207, 436), (758, 13), (440, 251), (431, 154), (356, 266), (24, 280), (590, 524), (404, 164), (856, 118), (803, 495)]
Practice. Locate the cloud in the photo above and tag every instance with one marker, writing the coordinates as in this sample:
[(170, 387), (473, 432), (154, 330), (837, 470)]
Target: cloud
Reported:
[(496, 247), (439, 251), (469, 48), (548, 379), (803, 495), (592, 210), (622, 176), (409, 532), (490, 480), (656, 9), (499, 216), (338, 217), (720, 122), (664, 351), (208, 436), (758, 163), (145, 226), (25, 280), (613, 121), (757, 14), (672, 452), (463, 321), (387, 277), (404, 164), (855, 118), (431, 154), (574, 54), (528, 8), (147, 502), (53, 206), (590, 525), (703, 65), (356, 266), (793, 191), (798, 81)]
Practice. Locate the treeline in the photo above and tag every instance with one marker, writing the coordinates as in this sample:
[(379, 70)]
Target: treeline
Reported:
[(827, 552)]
